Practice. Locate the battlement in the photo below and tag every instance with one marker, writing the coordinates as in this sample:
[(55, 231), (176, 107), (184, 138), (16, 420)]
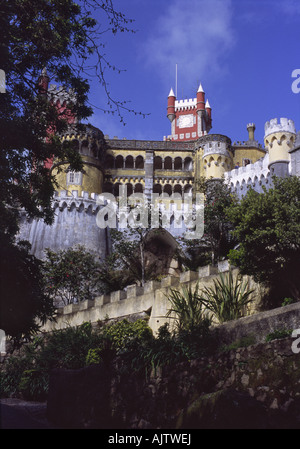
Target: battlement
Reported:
[(216, 147), (255, 175), (81, 202), (284, 125), (149, 301), (84, 132), (247, 144), (183, 105)]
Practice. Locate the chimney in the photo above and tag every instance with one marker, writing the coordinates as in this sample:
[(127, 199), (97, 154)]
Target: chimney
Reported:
[(251, 129)]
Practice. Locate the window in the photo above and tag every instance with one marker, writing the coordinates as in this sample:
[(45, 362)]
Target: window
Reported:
[(74, 178)]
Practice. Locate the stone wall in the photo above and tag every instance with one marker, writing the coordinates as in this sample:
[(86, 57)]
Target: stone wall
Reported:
[(250, 387), (148, 302)]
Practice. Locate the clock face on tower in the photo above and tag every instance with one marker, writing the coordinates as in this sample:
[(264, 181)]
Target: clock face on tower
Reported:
[(186, 121)]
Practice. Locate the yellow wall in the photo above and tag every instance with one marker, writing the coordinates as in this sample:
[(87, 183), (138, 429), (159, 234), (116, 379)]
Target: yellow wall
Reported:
[(279, 145), (247, 153), (92, 178)]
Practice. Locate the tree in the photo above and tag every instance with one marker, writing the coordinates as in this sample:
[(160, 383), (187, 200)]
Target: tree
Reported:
[(64, 38), (24, 304), (71, 275), (130, 255), (267, 227), (217, 239)]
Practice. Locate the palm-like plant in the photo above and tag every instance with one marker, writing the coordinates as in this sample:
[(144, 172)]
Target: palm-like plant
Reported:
[(228, 298), (186, 308)]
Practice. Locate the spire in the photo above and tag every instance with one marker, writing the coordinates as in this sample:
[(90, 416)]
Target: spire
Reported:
[(200, 88), (207, 105), (171, 94)]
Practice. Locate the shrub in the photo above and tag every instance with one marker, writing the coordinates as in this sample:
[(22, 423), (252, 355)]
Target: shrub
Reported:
[(34, 384), (93, 357), (122, 332), (288, 301), (228, 298), (187, 307)]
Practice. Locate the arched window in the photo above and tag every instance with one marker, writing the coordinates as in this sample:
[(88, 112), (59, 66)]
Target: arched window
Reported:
[(178, 188), (157, 188), (178, 163), (168, 163), (188, 164), (119, 161), (139, 162), (129, 162), (138, 188), (188, 188), (157, 163), (168, 189)]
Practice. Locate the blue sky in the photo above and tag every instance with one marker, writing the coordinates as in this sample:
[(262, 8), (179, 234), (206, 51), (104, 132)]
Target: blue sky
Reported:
[(242, 51)]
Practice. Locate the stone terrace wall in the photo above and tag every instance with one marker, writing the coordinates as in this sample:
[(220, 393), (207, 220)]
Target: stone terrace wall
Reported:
[(253, 387), (149, 301)]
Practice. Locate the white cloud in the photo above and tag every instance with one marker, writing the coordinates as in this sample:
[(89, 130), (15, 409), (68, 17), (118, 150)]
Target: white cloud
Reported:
[(195, 34)]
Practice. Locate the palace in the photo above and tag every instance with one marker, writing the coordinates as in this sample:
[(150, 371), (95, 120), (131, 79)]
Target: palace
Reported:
[(176, 164)]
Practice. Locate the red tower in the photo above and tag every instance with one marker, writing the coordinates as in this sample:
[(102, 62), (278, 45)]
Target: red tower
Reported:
[(190, 118), (58, 97)]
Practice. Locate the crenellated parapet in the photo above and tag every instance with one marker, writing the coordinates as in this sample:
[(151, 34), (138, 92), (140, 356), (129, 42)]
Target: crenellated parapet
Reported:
[(149, 302), (75, 223), (217, 155), (253, 175), (81, 201), (279, 139), (284, 125)]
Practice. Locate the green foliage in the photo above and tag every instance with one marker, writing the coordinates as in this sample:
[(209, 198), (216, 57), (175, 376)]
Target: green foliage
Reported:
[(169, 348), (71, 275), (243, 342), (34, 384), (74, 348), (186, 307), (128, 263), (228, 298), (267, 227), (288, 301), (278, 334), (93, 357), (217, 226), (24, 303), (60, 36), (217, 239), (123, 331)]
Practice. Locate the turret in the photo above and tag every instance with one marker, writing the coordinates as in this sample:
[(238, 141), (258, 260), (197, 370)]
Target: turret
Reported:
[(171, 106), (200, 99), (279, 139), (90, 144), (208, 114), (190, 118), (217, 156)]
